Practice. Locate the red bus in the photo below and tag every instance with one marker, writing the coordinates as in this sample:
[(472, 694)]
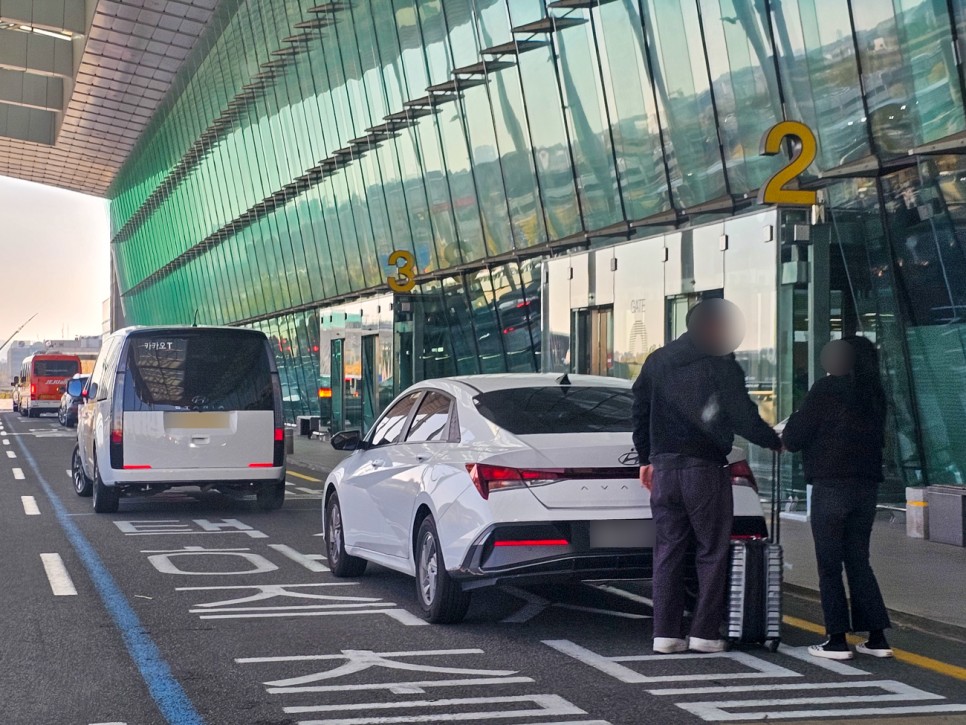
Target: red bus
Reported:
[(41, 382)]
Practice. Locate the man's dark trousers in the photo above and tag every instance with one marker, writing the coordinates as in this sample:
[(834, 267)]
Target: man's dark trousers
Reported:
[(695, 499), (842, 518)]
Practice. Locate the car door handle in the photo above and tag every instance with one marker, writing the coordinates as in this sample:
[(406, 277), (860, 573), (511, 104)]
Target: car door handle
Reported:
[(378, 463), (422, 458), (200, 440)]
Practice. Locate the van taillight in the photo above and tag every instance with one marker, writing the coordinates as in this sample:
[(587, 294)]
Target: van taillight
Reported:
[(33, 389), (278, 451), (117, 423)]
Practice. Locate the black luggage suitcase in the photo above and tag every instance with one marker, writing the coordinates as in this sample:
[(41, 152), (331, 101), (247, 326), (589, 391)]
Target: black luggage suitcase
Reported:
[(755, 584)]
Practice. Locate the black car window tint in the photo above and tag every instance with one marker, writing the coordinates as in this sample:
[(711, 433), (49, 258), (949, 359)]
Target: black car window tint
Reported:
[(389, 428), (198, 372), (431, 422), (558, 409)]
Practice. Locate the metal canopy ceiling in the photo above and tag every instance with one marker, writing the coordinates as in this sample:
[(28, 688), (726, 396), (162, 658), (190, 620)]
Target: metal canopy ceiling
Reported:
[(80, 81)]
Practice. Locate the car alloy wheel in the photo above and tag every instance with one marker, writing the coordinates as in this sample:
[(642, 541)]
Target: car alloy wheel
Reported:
[(334, 535), (341, 564), (83, 486), (428, 568), (441, 598)]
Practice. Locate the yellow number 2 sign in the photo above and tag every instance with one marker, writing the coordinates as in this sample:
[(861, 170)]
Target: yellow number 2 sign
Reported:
[(405, 264), (773, 191)]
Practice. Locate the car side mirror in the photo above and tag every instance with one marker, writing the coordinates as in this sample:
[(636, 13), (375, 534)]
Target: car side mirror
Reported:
[(75, 388), (348, 440)]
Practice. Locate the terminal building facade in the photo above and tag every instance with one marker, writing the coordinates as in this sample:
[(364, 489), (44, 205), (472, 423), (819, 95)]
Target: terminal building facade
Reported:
[(401, 189)]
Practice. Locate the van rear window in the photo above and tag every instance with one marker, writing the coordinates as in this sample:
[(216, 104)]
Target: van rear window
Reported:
[(558, 409), (209, 371), (56, 368)]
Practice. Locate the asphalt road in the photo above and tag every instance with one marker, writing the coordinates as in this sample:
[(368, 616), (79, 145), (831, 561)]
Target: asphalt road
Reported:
[(190, 607)]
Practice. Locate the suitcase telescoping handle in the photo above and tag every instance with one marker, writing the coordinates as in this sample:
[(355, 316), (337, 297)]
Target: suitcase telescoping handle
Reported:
[(776, 506)]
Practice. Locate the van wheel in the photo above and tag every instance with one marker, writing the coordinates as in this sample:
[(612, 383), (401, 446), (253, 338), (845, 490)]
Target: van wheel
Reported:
[(107, 499), (31, 413), (83, 486), (271, 497), (340, 563), (440, 597), (16, 408)]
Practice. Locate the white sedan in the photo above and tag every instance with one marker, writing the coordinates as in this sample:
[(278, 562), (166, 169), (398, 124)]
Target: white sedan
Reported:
[(472, 481)]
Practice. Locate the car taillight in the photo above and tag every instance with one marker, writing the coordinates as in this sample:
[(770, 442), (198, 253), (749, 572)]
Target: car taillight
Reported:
[(741, 475), (278, 451), (531, 542), (33, 389), (117, 423), (489, 478)]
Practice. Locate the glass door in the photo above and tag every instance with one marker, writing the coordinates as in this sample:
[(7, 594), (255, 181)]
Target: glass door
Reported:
[(336, 382), (369, 381), (592, 343)]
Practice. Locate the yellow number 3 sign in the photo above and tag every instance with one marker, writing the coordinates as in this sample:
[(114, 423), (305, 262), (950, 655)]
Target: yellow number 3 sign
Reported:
[(773, 191), (405, 278)]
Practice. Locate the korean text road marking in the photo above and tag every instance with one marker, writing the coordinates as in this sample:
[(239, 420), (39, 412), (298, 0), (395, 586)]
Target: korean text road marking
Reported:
[(18, 474), (350, 662), (546, 705), (30, 505), (162, 561), (175, 526), (612, 666), (60, 581), (312, 562)]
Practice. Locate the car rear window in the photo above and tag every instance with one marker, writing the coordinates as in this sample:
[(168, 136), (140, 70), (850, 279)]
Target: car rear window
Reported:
[(558, 409), (56, 368), (209, 371)]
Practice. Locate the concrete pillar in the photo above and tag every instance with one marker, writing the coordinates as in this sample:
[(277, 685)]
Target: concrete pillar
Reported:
[(917, 513)]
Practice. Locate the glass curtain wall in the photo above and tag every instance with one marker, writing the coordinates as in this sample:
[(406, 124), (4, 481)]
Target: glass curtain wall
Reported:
[(304, 141)]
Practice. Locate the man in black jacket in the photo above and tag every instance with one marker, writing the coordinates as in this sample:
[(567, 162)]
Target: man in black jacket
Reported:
[(689, 402)]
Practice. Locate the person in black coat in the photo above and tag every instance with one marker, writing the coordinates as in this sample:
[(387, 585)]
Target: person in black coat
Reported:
[(690, 400), (840, 432)]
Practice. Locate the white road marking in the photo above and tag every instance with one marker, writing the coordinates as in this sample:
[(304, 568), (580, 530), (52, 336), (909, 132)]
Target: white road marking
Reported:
[(70, 474), (309, 491), (547, 704), (612, 665), (597, 610), (11, 454), (839, 668), (622, 593), (18, 474), (30, 505), (60, 581), (400, 615), (6, 441), (309, 561), (534, 605)]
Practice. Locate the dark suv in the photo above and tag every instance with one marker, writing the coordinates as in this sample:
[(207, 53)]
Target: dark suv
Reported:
[(67, 415)]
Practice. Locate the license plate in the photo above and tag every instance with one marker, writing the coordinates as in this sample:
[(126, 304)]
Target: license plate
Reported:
[(622, 534)]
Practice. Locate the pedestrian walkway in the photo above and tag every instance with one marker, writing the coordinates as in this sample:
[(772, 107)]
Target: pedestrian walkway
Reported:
[(918, 578)]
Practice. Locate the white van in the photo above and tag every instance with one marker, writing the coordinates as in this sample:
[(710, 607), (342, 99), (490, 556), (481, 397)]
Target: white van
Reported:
[(181, 406)]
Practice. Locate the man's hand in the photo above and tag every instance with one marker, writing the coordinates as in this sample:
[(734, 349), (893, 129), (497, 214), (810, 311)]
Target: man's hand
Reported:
[(647, 476)]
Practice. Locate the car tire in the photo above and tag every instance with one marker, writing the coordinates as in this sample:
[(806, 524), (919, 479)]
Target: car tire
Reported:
[(440, 597), (31, 413), (341, 563), (271, 497), (83, 486), (107, 499)]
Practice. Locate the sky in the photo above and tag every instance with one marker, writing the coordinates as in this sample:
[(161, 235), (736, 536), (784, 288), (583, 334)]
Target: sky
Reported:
[(55, 246)]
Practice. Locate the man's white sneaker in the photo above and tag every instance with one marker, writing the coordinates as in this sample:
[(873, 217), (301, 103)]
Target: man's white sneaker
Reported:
[(707, 646), (670, 645), (822, 650), (874, 651)]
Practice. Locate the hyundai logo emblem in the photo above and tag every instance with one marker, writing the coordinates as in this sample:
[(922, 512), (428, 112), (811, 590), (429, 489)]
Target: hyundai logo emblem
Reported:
[(630, 459)]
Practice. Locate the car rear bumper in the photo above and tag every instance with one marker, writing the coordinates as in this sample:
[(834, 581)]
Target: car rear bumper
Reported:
[(573, 556), (195, 476)]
